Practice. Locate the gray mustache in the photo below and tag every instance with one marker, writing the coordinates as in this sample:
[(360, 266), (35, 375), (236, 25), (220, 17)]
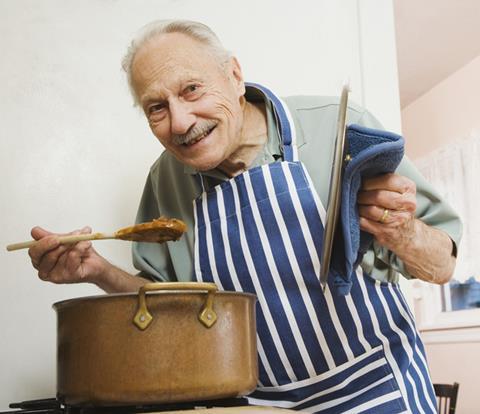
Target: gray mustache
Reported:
[(196, 131)]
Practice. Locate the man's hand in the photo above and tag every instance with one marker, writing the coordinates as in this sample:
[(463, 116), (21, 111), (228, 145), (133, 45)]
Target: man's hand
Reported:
[(68, 263), (387, 205), (76, 263)]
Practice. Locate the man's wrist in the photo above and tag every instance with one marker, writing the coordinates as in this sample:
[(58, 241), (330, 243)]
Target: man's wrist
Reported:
[(103, 274)]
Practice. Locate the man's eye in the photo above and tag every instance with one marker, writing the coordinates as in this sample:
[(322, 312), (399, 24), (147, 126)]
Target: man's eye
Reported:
[(155, 108), (191, 88)]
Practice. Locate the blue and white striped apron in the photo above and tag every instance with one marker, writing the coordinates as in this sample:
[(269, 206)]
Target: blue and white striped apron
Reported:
[(261, 232)]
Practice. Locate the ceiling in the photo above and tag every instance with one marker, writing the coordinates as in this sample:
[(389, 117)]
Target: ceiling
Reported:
[(434, 39)]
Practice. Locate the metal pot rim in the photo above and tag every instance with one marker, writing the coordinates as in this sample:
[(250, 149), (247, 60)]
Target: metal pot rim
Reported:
[(75, 301)]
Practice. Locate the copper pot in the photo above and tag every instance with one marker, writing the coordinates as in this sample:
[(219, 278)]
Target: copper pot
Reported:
[(184, 342)]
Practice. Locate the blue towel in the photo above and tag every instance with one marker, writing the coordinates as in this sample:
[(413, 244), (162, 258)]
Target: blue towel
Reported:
[(372, 152)]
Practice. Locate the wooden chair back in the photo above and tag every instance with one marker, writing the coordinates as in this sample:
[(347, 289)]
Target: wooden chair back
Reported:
[(446, 397)]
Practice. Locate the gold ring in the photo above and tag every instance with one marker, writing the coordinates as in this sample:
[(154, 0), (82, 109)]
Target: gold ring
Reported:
[(384, 216)]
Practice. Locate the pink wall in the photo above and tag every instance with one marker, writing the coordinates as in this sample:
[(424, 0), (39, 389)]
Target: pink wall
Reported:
[(454, 356), (449, 111)]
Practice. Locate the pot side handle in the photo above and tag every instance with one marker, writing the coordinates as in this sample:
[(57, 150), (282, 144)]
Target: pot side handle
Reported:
[(207, 316)]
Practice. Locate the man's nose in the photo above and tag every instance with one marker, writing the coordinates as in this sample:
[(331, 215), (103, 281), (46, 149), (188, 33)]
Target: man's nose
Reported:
[(181, 118)]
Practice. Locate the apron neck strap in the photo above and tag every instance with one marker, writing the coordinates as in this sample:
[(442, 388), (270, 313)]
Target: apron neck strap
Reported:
[(286, 127)]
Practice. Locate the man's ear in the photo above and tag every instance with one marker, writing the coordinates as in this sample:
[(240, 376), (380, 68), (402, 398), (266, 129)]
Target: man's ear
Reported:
[(237, 75)]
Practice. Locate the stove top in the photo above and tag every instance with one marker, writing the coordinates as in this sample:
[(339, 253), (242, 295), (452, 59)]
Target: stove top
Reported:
[(54, 406)]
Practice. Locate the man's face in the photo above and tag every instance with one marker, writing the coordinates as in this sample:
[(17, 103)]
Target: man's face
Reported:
[(192, 103)]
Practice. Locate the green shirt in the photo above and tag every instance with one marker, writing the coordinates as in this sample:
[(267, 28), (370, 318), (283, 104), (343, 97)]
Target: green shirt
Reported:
[(171, 188)]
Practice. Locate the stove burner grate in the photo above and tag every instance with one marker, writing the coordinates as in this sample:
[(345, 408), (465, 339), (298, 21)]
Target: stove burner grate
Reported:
[(54, 406)]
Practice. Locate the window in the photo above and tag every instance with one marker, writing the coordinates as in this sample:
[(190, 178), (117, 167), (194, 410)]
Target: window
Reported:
[(455, 171)]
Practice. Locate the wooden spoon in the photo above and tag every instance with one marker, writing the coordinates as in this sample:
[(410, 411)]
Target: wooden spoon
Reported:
[(157, 231)]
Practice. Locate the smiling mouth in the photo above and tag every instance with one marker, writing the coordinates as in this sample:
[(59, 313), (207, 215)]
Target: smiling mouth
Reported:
[(199, 138)]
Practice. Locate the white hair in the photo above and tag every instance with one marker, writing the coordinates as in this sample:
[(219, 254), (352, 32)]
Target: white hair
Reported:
[(195, 30)]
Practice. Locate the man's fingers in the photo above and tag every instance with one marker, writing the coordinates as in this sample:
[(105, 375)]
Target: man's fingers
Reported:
[(68, 268), (61, 270), (72, 269), (388, 199), (383, 216), (375, 213), (48, 261), (41, 248), (47, 242), (370, 226), (57, 273), (38, 233), (48, 253), (391, 182)]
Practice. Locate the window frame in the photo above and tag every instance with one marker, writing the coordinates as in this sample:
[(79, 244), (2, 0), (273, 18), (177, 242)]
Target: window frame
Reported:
[(427, 299)]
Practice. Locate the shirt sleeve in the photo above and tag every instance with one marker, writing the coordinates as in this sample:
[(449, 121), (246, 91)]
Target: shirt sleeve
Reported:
[(151, 259), (382, 263)]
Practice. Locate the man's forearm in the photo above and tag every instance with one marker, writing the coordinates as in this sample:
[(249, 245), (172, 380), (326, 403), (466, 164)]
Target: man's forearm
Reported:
[(115, 280), (428, 255)]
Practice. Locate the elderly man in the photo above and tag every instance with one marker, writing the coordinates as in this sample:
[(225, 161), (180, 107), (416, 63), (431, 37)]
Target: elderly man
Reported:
[(231, 171)]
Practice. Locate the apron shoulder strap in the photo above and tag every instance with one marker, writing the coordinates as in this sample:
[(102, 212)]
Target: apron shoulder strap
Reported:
[(284, 120)]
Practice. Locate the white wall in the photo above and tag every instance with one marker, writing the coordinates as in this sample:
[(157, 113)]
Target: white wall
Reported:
[(74, 152)]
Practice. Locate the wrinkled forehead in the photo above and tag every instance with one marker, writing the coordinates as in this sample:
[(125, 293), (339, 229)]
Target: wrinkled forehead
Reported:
[(168, 54)]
